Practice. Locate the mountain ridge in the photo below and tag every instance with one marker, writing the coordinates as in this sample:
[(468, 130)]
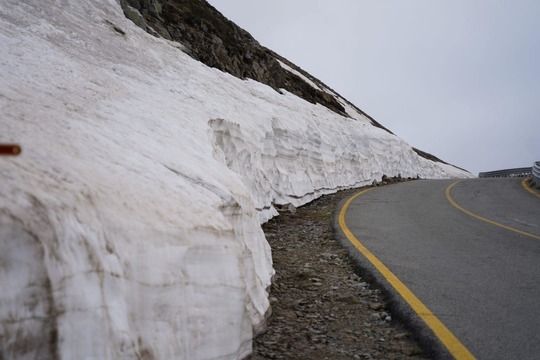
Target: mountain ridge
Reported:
[(208, 36)]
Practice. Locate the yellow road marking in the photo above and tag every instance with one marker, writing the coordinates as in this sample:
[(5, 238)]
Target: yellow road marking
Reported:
[(524, 184), (454, 346), (449, 197)]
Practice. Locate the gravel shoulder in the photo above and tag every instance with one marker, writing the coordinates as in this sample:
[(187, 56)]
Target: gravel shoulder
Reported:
[(321, 307)]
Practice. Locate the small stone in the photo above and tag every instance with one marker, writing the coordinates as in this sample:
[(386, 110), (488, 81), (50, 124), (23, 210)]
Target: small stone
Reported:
[(411, 351), (375, 306), (401, 336), (348, 299), (289, 314)]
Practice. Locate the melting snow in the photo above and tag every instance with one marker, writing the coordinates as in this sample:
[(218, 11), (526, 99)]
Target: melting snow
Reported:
[(130, 223)]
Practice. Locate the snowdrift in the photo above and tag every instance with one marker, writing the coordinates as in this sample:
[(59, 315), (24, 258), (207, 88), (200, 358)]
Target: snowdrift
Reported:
[(130, 223)]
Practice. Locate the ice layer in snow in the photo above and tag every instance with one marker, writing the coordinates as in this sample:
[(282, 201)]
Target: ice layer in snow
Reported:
[(130, 223)]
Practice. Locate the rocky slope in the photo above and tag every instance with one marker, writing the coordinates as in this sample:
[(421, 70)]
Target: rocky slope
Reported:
[(211, 38), (218, 42)]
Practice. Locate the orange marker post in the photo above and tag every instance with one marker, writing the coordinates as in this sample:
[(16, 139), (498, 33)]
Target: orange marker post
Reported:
[(9, 149)]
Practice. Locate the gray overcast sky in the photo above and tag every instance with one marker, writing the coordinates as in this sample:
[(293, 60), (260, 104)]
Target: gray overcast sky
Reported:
[(457, 78)]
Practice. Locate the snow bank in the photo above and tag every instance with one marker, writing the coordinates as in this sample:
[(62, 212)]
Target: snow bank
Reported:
[(130, 224)]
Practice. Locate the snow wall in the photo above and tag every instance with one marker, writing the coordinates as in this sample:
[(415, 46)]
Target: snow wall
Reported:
[(130, 223)]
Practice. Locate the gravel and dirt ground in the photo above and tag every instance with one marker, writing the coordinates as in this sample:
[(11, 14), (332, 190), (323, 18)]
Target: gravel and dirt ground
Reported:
[(321, 308)]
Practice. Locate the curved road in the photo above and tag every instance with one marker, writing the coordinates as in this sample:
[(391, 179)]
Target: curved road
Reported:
[(480, 280)]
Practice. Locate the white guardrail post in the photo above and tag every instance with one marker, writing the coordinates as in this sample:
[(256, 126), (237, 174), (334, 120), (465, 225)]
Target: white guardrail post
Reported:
[(536, 173)]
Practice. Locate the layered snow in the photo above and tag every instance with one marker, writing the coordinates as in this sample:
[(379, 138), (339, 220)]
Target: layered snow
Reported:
[(130, 223)]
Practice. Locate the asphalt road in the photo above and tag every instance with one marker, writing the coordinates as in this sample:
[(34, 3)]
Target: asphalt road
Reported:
[(482, 281)]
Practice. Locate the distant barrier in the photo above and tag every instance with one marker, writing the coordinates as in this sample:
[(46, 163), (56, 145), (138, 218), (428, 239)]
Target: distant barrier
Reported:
[(518, 172), (536, 173)]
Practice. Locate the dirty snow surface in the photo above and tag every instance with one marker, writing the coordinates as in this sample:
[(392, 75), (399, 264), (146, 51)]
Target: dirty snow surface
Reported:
[(130, 223)]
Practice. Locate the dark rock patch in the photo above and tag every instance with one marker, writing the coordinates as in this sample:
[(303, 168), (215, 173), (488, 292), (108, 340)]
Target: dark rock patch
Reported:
[(217, 42)]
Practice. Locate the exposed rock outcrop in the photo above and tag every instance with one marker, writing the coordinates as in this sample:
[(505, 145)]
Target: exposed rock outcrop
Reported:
[(214, 40)]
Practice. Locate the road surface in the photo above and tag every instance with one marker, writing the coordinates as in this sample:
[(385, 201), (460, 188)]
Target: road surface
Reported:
[(468, 251)]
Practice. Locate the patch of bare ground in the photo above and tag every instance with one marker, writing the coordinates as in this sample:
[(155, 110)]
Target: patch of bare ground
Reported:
[(321, 308)]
